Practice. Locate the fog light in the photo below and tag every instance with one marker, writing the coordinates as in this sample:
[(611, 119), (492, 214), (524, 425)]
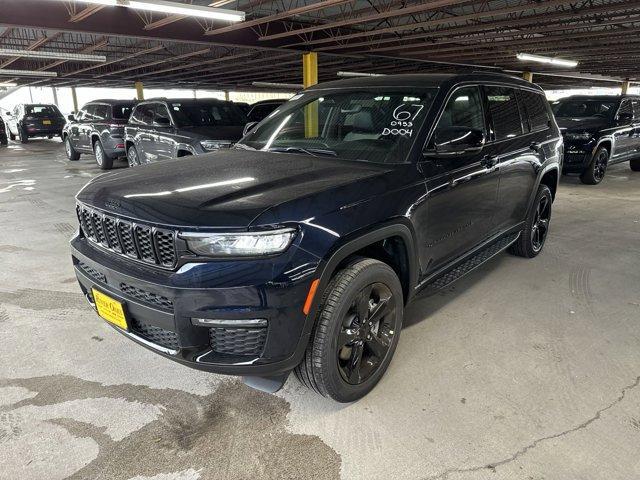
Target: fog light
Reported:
[(239, 323)]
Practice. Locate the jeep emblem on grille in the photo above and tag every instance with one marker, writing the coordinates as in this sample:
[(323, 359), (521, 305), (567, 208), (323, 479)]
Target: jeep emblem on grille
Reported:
[(114, 204)]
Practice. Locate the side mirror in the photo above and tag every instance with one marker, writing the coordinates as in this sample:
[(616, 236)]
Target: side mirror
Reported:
[(248, 127), (162, 122), (624, 118), (8, 114), (71, 118), (451, 141)]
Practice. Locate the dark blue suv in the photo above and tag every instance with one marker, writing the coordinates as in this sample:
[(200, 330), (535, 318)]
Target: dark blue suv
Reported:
[(298, 249)]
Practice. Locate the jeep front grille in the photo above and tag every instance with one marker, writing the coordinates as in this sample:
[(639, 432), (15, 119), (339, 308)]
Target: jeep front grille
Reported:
[(145, 243)]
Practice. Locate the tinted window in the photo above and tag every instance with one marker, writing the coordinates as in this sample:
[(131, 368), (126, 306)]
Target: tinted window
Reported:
[(636, 109), (143, 114), (464, 109), (122, 111), (535, 106), (579, 108), (89, 112), (192, 114), (161, 111), (260, 112), (101, 112), (625, 109), (503, 107), (41, 111)]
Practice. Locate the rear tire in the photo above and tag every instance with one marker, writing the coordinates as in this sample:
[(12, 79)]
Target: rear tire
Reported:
[(356, 332), (595, 171), (104, 161), (635, 164), (132, 157), (536, 228), (72, 155), (24, 138), (11, 135)]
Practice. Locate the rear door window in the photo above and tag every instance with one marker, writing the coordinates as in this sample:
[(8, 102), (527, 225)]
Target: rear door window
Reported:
[(636, 109), (535, 107), (626, 110), (143, 114), (505, 115), (101, 112)]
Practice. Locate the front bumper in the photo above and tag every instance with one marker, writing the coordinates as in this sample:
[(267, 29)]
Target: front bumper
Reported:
[(161, 307), (577, 156)]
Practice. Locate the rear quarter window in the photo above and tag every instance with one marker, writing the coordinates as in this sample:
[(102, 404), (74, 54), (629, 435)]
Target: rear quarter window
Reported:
[(535, 106)]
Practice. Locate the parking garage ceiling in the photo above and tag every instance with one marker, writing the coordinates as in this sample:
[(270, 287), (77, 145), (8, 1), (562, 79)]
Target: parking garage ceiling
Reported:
[(388, 36)]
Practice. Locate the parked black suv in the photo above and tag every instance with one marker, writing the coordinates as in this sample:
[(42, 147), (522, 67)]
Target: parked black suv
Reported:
[(98, 128), (34, 120), (161, 129), (261, 110), (298, 248), (599, 131)]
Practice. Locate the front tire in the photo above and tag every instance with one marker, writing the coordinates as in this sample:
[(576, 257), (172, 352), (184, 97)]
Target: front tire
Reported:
[(532, 238), (635, 164), (104, 161), (596, 170), (24, 138), (356, 332), (132, 156), (72, 154)]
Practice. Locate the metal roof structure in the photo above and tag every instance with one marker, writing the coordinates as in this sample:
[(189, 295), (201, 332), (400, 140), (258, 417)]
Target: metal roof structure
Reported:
[(388, 36)]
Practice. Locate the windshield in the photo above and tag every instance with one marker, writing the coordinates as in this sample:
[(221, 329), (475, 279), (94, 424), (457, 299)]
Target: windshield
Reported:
[(207, 114), (585, 108), (369, 125), (41, 111)]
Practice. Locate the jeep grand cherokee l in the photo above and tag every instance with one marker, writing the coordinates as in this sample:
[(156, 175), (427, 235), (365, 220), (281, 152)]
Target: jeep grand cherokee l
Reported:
[(298, 249), (98, 128), (599, 131), (34, 120), (161, 129)]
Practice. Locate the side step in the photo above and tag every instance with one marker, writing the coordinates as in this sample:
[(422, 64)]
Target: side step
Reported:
[(450, 275)]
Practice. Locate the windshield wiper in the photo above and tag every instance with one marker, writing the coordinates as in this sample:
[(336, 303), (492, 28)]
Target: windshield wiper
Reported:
[(314, 152)]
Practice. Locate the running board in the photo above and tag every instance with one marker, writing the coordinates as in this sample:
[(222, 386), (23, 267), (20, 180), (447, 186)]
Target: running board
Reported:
[(450, 275)]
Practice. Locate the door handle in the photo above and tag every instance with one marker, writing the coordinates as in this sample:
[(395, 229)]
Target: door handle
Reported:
[(489, 161)]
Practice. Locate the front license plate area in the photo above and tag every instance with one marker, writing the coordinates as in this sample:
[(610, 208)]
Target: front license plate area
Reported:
[(46, 122), (110, 309)]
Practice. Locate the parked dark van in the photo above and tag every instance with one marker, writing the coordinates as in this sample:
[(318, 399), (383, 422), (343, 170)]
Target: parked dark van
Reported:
[(98, 128), (298, 249), (598, 131), (32, 120), (161, 129)]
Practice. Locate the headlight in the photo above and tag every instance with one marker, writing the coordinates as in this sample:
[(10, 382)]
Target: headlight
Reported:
[(241, 244), (211, 145), (578, 136)]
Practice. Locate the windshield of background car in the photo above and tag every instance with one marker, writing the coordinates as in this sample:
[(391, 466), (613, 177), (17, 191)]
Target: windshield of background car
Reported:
[(205, 114), (585, 108), (377, 125), (41, 111), (122, 111)]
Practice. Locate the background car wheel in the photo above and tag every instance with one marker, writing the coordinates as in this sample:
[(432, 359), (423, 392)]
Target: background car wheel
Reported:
[(104, 161), (71, 152), (11, 136), (356, 332), (132, 157), (635, 164), (24, 138), (49, 137), (594, 173), (536, 227)]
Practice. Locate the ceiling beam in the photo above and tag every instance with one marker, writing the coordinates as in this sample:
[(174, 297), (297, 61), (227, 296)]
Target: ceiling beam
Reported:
[(85, 13), (157, 62), (32, 46)]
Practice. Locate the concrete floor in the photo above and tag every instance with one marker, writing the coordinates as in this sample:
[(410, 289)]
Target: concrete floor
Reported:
[(525, 369)]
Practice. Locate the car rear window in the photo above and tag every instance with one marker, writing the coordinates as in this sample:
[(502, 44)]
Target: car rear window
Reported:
[(41, 111)]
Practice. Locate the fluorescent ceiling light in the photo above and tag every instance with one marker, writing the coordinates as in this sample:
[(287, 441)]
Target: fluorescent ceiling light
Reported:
[(80, 57), (527, 57), (359, 74), (287, 86), (8, 84), (26, 73), (175, 8)]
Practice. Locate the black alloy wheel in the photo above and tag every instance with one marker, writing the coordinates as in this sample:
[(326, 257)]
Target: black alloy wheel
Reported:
[(540, 226), (596, 170), (356, 331)]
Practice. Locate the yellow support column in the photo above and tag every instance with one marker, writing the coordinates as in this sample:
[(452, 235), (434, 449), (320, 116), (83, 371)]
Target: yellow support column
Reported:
[(528, 76), (309, 78), (139, 91), (74, 97), (226, 95), (626, 85)]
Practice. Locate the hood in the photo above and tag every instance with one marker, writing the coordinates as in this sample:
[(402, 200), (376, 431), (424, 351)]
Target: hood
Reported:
[(232, 133), (583, 124), (227, 188)]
